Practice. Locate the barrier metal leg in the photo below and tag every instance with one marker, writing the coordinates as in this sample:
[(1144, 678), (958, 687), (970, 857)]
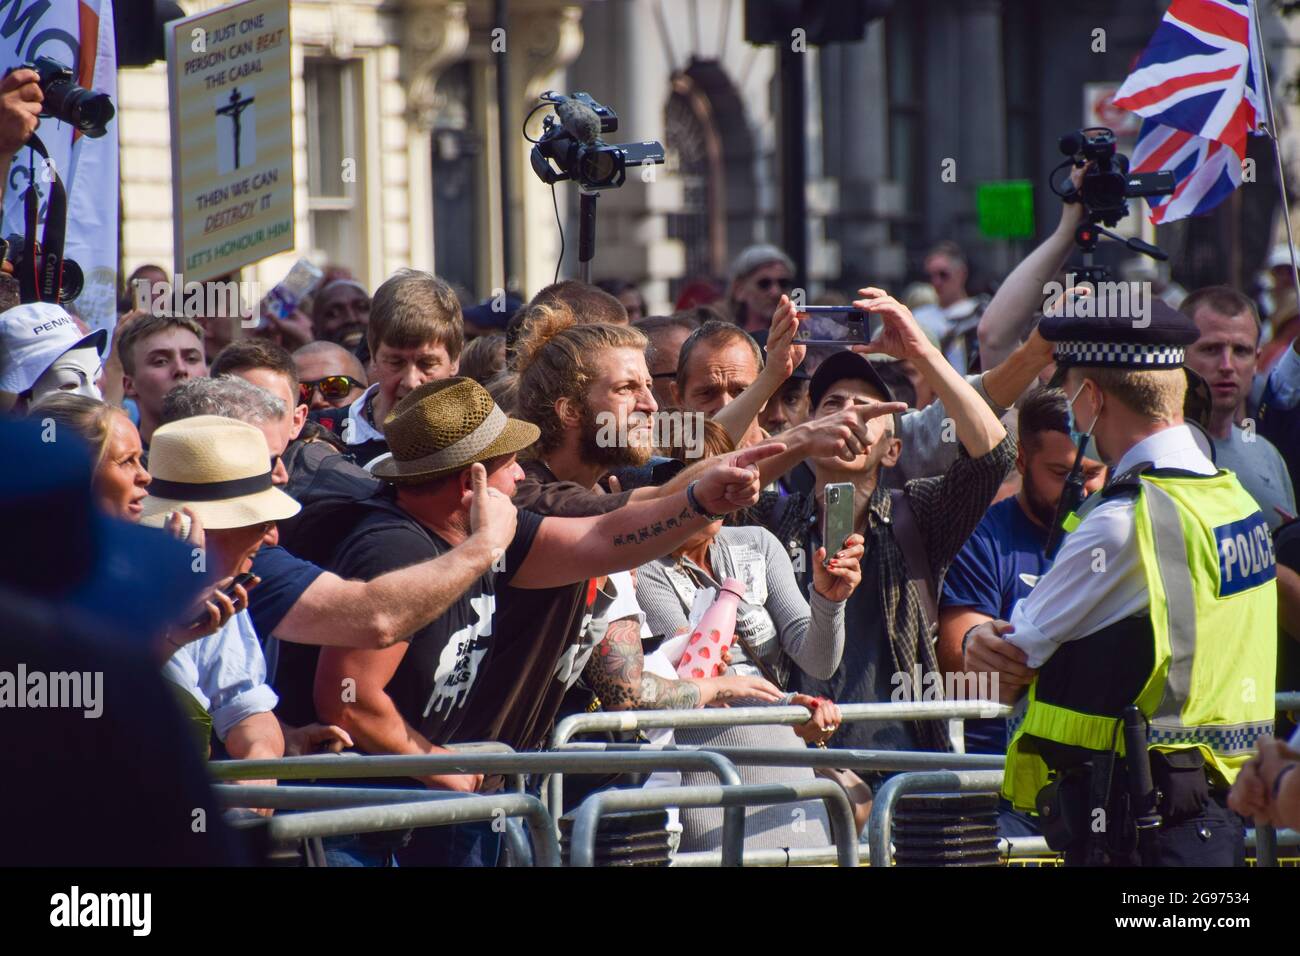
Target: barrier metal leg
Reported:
[(880, 824), (582, 841)]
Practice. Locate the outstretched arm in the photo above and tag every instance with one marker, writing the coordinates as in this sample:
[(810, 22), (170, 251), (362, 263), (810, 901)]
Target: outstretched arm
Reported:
[(978, 429), (567, 550), (616, 672), (783, 357)]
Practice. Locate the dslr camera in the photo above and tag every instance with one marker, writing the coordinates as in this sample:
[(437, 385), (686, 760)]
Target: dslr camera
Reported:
[(71, 280), (570, 146), (1107, 185), (85, 110)]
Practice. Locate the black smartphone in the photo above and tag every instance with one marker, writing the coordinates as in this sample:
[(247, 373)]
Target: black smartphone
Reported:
[(228, 591), (832, 325)]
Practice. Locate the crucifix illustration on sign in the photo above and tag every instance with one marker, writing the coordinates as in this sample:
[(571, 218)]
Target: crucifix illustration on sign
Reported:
[(236, 130)]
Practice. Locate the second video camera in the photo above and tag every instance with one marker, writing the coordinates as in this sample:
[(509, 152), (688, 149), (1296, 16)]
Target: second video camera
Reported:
[(571, 140), (1108, 184)]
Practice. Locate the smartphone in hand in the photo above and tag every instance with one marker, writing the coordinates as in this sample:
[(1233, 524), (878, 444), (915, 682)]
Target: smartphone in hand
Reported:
[(838, 525), (832, 325), (228, 591)]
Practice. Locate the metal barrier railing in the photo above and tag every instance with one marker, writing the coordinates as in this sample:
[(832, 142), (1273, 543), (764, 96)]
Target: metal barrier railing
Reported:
[(336, 766), (425, 813), (320, 798), (628, 720), (885, 760), (582, 840), (881, 822), (314, 798)]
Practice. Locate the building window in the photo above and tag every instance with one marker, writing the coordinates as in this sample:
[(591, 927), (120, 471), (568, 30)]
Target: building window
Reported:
[(904, 38), (335, 201), (1020, 42), (693, 155), (457, 158)]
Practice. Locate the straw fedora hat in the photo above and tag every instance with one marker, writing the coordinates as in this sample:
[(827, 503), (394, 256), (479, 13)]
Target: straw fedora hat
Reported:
[(442, 427), (217, 467)]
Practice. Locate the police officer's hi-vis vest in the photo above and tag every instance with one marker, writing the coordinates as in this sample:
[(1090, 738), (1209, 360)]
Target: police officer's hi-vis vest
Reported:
[(1200, 667)]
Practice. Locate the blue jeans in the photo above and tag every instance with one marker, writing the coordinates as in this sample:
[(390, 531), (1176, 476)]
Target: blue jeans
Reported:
[(463, 844), (352, 850)]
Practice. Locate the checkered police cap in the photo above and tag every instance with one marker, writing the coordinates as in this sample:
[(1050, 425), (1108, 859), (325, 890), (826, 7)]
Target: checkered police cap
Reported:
[(1156, 340)]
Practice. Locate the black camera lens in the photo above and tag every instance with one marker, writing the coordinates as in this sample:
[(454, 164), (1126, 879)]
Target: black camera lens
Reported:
[(85, 109), (73, 281), (600, 166)]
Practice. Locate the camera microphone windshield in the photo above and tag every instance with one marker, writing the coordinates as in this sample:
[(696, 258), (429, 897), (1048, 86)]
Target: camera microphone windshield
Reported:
[(579, 120)]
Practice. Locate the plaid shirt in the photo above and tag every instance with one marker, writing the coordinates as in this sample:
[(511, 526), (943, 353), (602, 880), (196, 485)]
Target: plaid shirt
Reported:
[(947, 510)]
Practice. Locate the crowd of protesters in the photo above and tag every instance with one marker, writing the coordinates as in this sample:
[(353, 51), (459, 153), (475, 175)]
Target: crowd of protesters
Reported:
[(409, 521)]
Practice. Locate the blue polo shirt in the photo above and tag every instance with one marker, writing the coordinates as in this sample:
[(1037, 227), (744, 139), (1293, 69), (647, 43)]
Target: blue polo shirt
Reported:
[(999, 564), (284, 579)]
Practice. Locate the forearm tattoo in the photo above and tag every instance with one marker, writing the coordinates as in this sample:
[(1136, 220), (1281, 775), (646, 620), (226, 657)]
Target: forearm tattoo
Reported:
[(616, 673), (654, 530)]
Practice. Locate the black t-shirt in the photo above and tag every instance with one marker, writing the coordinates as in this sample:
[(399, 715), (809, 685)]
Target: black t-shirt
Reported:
[(446, 658), (521, 695)]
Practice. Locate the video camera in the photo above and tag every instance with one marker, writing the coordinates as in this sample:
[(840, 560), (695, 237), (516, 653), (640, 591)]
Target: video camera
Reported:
[(571, 141), (1104, 191), (1107, 184)]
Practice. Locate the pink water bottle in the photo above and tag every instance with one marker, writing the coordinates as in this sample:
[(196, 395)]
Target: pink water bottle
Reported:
[(714, 633)]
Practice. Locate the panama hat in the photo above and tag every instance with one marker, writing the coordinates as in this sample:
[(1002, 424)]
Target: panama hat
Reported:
[(217, 467), (442, 427)]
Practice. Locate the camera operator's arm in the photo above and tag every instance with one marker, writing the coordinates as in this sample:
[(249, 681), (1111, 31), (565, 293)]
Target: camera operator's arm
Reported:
[(783, 357), (1021, 295), (20, 110)]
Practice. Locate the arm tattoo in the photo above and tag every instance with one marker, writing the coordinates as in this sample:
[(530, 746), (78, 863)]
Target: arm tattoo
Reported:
[(616, 673), (654, 530)]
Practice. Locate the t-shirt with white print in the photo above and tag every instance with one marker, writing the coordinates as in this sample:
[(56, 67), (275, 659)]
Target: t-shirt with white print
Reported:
[(447, 657)]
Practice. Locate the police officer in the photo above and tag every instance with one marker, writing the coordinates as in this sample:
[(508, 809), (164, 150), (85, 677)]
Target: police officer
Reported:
[(1164, 597)]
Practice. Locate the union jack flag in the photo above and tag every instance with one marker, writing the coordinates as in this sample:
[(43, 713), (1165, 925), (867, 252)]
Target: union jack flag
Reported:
[(1197, 88)]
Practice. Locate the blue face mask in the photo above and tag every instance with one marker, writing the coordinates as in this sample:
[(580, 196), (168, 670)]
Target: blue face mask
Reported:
[(1077, 436)]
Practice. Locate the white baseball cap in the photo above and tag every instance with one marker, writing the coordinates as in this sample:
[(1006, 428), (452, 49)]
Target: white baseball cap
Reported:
[(33, 336)]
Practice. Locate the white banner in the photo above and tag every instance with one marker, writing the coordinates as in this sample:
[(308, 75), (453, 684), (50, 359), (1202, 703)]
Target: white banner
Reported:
[(79, 34)]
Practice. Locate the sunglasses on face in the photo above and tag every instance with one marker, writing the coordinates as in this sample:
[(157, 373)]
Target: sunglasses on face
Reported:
[(332, 388), (767, 282), (941, 275)]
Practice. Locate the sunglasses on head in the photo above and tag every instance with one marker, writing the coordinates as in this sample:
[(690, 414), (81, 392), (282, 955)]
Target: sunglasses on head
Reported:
[(767, 282), (332, 388)]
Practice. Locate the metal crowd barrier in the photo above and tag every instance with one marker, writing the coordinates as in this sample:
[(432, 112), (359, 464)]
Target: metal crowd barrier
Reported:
[(315, 798), (425, 813), (628, 720), (336, 766), (582, 840)]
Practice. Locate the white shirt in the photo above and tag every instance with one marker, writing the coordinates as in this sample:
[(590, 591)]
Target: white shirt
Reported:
[(226, 673), (1097, 579), (358, 430)]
